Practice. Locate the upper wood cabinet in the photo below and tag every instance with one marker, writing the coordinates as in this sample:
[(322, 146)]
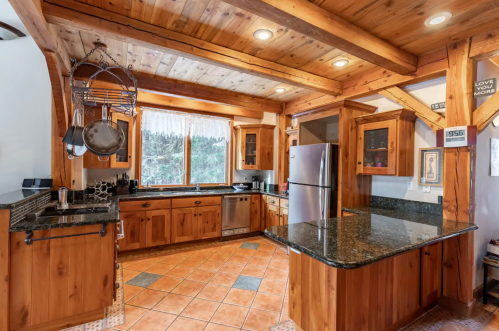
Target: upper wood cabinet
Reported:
[(255, 147), (385, 143)]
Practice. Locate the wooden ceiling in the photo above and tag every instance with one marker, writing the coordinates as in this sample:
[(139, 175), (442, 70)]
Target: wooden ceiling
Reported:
[(399, 22)]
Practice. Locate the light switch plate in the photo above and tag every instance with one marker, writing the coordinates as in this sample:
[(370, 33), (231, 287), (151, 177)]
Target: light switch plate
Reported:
[(426, 189), (410, 186)]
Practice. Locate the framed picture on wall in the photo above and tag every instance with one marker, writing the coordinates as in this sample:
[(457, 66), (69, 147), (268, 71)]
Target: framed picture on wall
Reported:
[(431, 166)]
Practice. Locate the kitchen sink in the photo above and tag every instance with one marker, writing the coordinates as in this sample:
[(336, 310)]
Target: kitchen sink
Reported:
[(51, 209)]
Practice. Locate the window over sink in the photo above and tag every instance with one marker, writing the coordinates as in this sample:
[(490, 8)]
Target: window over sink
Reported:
[(183, 149)]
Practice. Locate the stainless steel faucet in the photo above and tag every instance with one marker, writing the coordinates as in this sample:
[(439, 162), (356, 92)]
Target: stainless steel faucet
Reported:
[(197, 187)]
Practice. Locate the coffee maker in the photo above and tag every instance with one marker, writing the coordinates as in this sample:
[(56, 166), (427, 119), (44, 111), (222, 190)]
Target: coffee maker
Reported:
[(256, 182)]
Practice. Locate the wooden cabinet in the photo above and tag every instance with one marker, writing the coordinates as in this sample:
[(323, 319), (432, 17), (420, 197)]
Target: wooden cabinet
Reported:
[(123, 158), (264, 210), (134, 229), (184, 224), (255, 147), (274, 211), (283, 216), (158, 224), (273, 216), (255, 210), (385, 143), (431, 273), (209, 222)]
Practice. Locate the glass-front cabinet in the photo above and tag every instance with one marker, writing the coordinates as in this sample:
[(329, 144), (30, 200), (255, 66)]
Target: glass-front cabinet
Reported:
[(123, 158), (385, 143), (254, 147)]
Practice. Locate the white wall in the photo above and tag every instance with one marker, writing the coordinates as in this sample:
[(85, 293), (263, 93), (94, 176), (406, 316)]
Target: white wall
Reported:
[(26, 106), (429, 92)]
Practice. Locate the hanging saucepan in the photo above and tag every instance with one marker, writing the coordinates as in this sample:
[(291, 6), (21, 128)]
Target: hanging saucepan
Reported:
[(73, 138), (103, 137)]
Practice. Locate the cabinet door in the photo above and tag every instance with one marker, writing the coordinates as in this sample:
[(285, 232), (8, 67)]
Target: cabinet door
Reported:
[(263, 212), (255, 218), (431, 273), (209, 222), (134, 228), (251, 148), (273, 216), (123, 158), (184, 225), (377, 148), (283, 217), (158, 227)]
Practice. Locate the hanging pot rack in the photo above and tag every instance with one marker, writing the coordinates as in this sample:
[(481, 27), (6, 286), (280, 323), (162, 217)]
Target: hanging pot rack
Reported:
[(85, 96)]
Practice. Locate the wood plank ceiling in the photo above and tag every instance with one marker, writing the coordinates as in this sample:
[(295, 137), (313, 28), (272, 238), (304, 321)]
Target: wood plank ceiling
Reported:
[(399, 22)]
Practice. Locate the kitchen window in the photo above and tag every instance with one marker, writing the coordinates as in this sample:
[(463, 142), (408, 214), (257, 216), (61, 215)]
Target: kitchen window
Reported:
[(183, 149)]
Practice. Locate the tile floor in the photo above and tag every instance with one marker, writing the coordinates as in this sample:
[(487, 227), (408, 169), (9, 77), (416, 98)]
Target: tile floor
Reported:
[(235, 286)]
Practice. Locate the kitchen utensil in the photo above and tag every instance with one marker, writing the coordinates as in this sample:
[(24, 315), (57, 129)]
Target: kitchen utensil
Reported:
[(73, 138), (103, 137)]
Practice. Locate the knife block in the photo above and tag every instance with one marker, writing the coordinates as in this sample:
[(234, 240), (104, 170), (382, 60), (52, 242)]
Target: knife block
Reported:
[(120, 190)]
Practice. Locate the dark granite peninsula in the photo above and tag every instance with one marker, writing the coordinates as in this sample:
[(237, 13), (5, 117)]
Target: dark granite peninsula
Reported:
[(376, 270)]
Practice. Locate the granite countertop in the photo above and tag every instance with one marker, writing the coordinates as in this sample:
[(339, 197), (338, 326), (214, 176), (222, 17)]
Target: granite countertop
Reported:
[(191, 193), (370, 236), (12, 199)]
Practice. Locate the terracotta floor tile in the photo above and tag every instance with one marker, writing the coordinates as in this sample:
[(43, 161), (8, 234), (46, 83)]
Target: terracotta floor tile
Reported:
[(160, 269), (130, 291), (259, 261), (245, 252), (129, 274), (224, 279), (279, 264), (132, 315), (192, 262), (240, 297), (173, 259), (211, 265), (267, 301), (266, 247), (230, 315), (284, 318), (276, 274), (260, 320), (278, 255), (154, 321), (213, 292), (257, 241), (165, 283), (218, 327), (494, 321), (180, 272), (189, 287), (200, 275), (173, 303), (253, 271), (272, 286), (147, 298), (221, 257), (154, 259), (185, 254), (203, 254), (184, 324), (127, 264), (263, 253), (228, 249), (231, 268), (201, 309), (141, 265), (453, 327), (239, 259), (285, 306)]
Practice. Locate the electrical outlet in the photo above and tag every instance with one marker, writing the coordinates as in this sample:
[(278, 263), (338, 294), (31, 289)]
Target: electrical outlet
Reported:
[(410, 186), (426, 189)]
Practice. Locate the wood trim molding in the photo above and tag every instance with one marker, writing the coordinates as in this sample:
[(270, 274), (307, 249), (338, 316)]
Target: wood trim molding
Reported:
[(432, 119), (255, 126), (430, 66), (283, 158), (58, 92), (315, 22), (486, 112), (119, 27), (495, 60)]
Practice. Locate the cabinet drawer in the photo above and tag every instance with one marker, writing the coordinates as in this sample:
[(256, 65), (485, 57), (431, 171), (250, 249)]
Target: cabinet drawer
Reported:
[(273, 201), (145, 205), (284, 203), (195, 202)]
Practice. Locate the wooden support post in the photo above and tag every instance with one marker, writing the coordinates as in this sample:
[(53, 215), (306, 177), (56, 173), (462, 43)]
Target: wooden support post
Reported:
[(61, 165), (58, 92), (283, 165), (459, 164)]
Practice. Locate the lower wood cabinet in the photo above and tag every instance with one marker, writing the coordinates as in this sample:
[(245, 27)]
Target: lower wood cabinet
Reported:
[(264, 211), (273, 216), (145, 229), (158, 223), (283, 216), (195, 223), (255, 210), (134, 228), (209, 222)]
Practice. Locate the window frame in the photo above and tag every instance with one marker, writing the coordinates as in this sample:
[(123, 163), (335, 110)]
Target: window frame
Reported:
[(187, 150)]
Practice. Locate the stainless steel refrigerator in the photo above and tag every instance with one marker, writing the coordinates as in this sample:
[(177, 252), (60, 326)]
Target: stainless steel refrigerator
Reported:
[(313, 182)]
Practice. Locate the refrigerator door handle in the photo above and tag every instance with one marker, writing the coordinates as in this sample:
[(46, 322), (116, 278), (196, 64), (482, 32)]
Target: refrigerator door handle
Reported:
[(321, 171)]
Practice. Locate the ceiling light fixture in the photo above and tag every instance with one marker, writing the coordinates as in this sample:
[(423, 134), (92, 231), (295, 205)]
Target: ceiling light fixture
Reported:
[(437, 19), (263, 34), (280, 90), (340, 63)]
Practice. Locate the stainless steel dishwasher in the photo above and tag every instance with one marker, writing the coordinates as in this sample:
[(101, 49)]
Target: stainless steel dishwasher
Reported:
[(236, 214)]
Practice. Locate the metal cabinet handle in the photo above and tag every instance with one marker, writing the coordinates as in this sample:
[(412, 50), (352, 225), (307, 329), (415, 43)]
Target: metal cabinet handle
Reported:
[(194, 214), (198, 202), (272, 201), (148, 218), (121, 228), (286, 204), (146, 205), (427, 253), (142, 220), (359, 162), (200, 214)]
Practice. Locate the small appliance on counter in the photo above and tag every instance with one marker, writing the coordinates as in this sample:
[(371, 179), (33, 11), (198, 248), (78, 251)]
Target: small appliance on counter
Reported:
[(262, 185), (134, 186), (30, 183), (256, 182)]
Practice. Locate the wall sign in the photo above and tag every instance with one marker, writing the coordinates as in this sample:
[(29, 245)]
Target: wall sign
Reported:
[(440, 105), (484, 88)]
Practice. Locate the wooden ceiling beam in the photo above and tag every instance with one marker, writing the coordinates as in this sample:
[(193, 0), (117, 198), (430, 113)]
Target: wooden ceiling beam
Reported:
[(85, 17), (495, 60), (486, 112), (485, 45), (30, 13), (434, 120), (431, 66), (58, 92), (317, 23), (173, 87)]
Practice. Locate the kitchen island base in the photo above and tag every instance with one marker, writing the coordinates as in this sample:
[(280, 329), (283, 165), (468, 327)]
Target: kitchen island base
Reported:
[(385, 295)]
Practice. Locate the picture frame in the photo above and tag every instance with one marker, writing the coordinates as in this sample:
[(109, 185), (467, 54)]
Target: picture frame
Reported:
[(431, 166)]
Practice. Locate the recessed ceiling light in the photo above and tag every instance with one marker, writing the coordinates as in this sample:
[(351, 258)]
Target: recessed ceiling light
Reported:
[(263, 34), (340, 63), (437, 19), (280, 90)]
